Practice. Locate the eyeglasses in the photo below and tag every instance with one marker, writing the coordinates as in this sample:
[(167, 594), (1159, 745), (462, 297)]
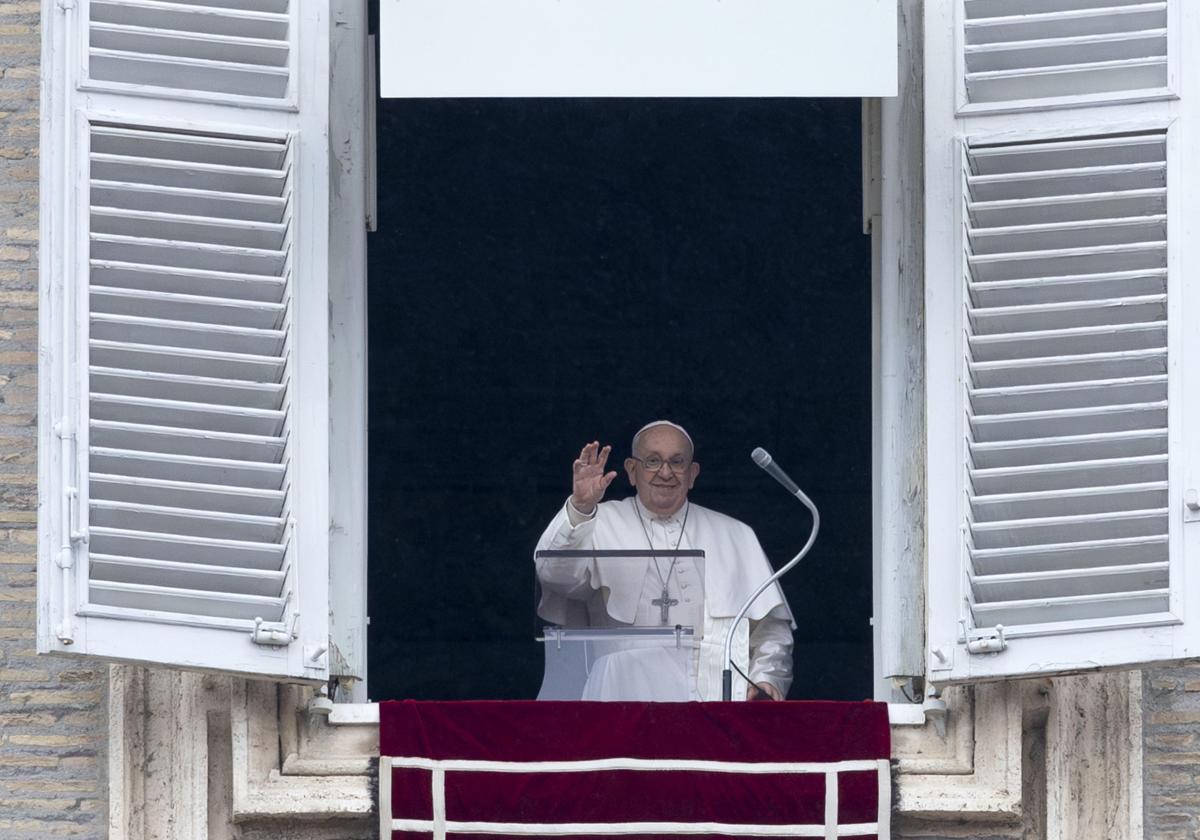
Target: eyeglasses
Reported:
[(654, 463)]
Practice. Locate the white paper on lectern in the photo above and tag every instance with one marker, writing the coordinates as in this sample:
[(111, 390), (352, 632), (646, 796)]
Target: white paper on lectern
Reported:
[(633, 48)]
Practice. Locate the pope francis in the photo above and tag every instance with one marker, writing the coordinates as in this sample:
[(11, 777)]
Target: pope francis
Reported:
[(663, 469)]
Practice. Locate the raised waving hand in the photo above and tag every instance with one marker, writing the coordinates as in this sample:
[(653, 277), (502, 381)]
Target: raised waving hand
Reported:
[(589, 478)]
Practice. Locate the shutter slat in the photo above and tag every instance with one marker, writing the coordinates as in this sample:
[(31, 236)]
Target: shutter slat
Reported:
[(195, 523), (209, 497), (996, 402), (234, 471), (1069, 341), (234, 392), (263, 315), (1068, 208), (1135, 256), (196, 74), (242, 233), (1057, 22), (1051, 584), (177, 548), (1069, 502), (1068, 448), (226, 19), (212, 605), (189, 415), (187, 361), (1064, 475), (1085, 366), (1071, 50), (278, 6), (1004, 8), (1091, 155), (1068, 556), (1052, 529), (1059, 236), (186, 174), (189, 255), (1085, 77), (1069, 289), (174, 280), (1093, 609), (1033, 317), (1090, 420), (187, 334), (200, 153), (148, 40), (209, 204), (115, 569), (1016, 178), (168, 440)]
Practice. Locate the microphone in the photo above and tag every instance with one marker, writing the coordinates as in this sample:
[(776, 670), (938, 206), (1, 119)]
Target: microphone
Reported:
[(763, 458)]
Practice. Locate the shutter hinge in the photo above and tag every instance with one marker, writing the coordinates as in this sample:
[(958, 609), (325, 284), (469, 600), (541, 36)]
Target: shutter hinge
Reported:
[(986, 640), (75, 532), (74, 535), (1191, 505), (273, 633)]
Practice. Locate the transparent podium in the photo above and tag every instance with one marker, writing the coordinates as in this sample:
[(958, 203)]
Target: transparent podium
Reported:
[(620, 624)]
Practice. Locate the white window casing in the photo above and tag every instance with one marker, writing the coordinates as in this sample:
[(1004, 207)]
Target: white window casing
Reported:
[(183, 449), (1061, 304)]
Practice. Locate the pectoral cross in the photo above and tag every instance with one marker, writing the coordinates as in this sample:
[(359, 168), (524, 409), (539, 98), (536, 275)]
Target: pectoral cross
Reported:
[(664, 605)]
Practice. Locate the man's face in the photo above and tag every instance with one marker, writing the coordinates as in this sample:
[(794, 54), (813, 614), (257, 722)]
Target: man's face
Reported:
[(662, 491)]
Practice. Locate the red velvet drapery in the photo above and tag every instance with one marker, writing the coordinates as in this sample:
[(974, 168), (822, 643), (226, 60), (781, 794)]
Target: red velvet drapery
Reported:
[(456, 766)]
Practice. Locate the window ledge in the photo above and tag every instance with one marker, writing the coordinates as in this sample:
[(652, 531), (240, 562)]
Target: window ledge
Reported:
[(367, 714)]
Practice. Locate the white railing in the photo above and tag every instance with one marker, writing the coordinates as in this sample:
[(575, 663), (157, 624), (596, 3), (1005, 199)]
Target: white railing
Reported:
[(440, 823)]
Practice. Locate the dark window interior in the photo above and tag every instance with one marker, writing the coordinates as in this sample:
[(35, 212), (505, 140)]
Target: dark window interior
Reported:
[(548, 272)]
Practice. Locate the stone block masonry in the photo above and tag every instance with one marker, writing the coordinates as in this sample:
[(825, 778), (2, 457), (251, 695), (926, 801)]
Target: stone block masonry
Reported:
[(52, 709), (1172, 760)]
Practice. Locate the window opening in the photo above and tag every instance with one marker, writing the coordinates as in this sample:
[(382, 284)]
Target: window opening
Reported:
[(549, 272)]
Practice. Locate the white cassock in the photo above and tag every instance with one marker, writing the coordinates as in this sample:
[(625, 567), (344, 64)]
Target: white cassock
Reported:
[(620, 595)]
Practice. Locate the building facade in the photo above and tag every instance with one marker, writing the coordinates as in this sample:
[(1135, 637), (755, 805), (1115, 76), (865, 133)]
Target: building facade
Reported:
[(227, 747)]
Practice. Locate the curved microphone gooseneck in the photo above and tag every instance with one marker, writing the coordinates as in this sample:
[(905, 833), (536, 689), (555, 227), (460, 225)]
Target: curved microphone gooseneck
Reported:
[(764, 460)]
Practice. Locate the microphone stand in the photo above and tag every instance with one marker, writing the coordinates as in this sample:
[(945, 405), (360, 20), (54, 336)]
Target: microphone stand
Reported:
[(764, 460)]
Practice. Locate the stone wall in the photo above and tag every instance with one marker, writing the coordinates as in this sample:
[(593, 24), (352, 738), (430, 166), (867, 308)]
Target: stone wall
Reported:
[(52, 710), (1172, 760)]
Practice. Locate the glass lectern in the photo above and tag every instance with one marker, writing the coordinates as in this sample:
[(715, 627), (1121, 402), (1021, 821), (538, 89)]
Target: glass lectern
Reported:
[(619, 624)]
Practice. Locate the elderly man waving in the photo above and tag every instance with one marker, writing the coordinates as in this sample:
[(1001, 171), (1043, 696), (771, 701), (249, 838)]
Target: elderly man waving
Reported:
[(663, 469)]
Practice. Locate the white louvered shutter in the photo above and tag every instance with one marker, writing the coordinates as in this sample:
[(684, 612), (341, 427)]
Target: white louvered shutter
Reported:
[(184, 419), (1061, 294)]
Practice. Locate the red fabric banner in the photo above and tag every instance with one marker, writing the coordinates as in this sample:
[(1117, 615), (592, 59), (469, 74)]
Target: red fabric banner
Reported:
[(507, 769)]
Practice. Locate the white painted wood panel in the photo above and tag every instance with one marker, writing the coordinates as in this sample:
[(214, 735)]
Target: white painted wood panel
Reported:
[(630, 48)]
